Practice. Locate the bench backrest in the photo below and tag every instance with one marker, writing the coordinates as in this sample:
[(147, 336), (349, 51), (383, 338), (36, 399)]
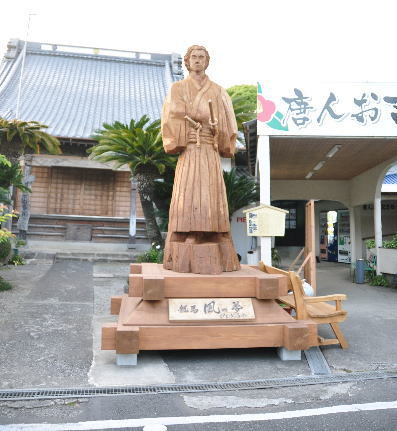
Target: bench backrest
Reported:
[(294, 285)]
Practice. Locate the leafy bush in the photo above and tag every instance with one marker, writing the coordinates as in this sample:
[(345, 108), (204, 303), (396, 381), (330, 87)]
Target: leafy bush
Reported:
[(16, 260), (370, 243), (376, 280), (391, 244), (12, 175), (5, 235), (5, 248), (4, 285), (154, 255), (276, 258)]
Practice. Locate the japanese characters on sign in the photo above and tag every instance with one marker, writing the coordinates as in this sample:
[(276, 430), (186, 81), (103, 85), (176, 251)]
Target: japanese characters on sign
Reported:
[(252, 223), (265, 220), (211, 309), (335, 110)]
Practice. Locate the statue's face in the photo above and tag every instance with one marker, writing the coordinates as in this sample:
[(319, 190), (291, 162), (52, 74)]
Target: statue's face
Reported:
[(198, 60)]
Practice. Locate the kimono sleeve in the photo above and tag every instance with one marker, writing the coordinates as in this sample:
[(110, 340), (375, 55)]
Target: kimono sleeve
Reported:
[(228, 146), (172, 128)]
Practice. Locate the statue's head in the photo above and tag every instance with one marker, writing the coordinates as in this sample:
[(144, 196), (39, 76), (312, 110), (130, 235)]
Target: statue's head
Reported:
[(193, 54)]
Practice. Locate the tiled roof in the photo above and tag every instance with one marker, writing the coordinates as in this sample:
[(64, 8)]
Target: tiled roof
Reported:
[(74, 90)]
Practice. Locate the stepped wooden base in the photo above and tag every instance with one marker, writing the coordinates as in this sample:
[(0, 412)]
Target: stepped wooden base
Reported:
[(144, 324), (152, 282)]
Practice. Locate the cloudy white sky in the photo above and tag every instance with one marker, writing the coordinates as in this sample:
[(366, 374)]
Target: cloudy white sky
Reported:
[(248, 40)]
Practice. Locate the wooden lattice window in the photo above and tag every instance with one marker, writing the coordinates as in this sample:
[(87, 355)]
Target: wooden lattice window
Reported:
[(76, 191)]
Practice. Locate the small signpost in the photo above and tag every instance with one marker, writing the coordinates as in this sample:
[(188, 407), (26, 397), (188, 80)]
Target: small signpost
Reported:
[(265, 220)]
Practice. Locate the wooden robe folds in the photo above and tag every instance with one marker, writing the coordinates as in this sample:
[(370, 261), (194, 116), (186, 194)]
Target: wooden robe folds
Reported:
[(199, 239)]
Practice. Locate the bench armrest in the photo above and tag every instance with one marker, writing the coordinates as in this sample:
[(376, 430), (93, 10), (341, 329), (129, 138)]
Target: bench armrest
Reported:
[(313, 299)]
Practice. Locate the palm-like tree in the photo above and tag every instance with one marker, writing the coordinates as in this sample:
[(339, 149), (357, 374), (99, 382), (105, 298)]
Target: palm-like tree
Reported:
[(242, 111), (18, 137), (244, 104), (139, 146), (12, 175), (240, 191)]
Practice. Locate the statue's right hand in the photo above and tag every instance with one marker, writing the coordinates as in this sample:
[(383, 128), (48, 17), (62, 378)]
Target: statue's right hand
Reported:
[(171, 147)]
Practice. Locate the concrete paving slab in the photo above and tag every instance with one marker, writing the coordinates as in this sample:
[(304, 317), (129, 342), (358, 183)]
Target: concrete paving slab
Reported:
[(104, 289), (65, 282), (45, 326), (113, 269), (75, 246), (50, 327), (35, 351), (370, 324), (274, 397), (150, 370), (194, 366), (81, 250)]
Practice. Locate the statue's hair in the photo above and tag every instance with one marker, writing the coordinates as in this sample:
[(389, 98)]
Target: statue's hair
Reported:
[(189, 51)]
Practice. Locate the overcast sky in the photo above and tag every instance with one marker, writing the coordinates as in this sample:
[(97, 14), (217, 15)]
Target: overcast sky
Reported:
[(248, 40)]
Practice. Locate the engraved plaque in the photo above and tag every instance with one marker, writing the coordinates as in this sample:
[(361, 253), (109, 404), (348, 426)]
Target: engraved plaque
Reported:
[(188, 309)]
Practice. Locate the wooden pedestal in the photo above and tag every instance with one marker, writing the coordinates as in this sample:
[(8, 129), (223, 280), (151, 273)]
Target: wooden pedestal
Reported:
[(200, 253), (143, 322)]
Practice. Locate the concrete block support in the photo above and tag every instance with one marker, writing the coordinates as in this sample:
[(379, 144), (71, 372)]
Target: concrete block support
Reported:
[(126, 360), (289, 355)]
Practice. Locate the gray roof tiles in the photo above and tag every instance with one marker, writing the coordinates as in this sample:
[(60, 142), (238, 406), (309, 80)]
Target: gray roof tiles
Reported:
[(74, 93)]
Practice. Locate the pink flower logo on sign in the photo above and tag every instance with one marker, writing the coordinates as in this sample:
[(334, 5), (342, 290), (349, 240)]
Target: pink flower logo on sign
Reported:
[(266, 109)]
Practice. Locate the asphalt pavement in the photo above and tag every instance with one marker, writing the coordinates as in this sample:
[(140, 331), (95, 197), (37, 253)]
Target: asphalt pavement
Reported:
[(49, 332)]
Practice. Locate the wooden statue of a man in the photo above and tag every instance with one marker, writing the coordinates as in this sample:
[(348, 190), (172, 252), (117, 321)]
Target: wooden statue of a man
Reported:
[(198, 122)]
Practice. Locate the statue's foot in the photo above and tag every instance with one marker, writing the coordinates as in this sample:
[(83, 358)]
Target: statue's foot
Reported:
[(201, 257)]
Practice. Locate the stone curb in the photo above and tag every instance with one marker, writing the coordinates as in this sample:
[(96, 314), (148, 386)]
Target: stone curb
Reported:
[(78, 256)]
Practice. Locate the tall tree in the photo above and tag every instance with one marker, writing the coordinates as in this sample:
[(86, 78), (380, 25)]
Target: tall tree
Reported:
[(12, 175), (137, 145), (18, 137), (244, 103), (4, 164)]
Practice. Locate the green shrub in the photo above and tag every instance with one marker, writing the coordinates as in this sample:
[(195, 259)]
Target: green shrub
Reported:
[(154, 255), (16, 259), (5, 248), (376, 280), (4, 285), (370, 243), (391, 244), (276, 258)]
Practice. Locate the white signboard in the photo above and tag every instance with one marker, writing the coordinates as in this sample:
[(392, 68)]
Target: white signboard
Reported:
[(188, 309), (265, 220), (339, 109), (242, 242)]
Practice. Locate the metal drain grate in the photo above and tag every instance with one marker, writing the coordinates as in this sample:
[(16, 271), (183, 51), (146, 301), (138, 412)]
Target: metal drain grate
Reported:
[(39, 394), (317, 362)]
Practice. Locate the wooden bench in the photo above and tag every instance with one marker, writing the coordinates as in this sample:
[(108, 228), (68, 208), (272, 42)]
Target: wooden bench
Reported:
[(315, 308)]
